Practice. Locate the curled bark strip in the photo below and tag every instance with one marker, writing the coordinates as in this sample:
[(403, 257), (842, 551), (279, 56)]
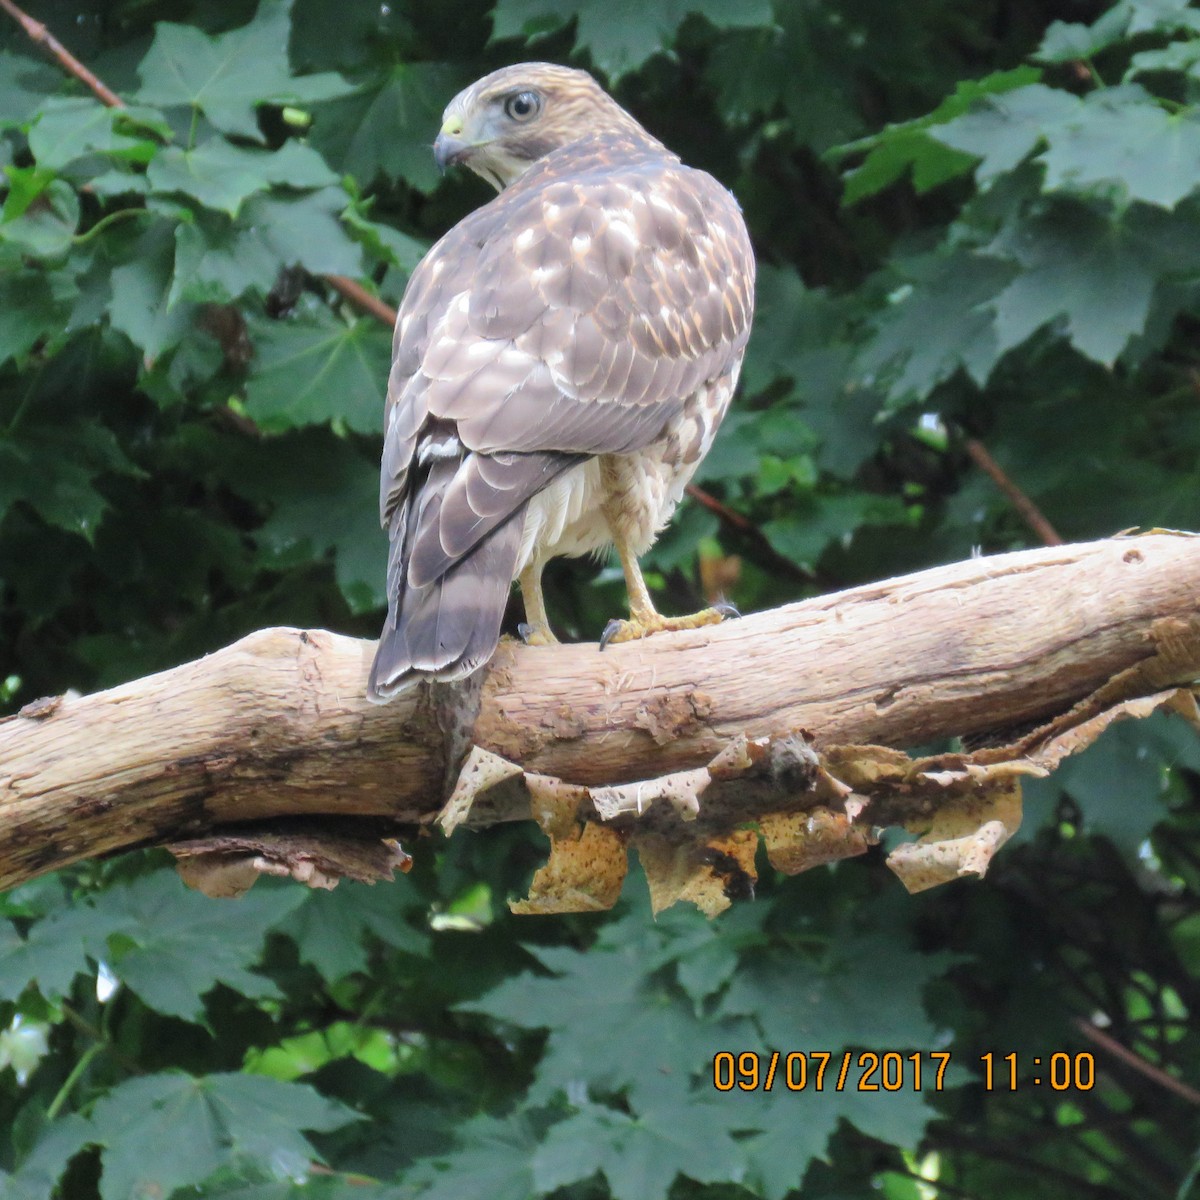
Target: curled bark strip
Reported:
[(276, 727)]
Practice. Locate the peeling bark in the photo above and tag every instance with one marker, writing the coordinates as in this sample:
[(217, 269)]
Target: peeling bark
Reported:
[(276, 726)]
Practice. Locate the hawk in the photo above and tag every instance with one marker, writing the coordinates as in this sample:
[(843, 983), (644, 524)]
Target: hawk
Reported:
[(561, 362)]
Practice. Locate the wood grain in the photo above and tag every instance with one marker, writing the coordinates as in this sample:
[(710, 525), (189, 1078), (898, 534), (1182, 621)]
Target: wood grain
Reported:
[(277, 724)]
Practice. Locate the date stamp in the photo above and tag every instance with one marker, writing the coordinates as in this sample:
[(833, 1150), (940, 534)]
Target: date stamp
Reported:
[(893, 1071), (822, 1070)]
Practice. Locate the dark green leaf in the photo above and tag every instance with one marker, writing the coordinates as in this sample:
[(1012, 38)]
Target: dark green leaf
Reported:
[(391, 245), (622, 34), (25, 83), (641, 1155), (1077, 266), (389, 131), (904, 149), (910, 145), (54, 469), (141, 294), (37, 1175), (163, 1132), (803, 536), (54, 952), (328, 928), (831, 1003), (42, 226), (1066, 42), (494, 1163), (1002, 130), (300, 229), (222, 175), (33, 306), (229, 75), (68, 128), (311, 371), (1119, 783), (793, 1127), (215, 261), (936, 324), (790, 1130), (1120, 141), (176, 945)]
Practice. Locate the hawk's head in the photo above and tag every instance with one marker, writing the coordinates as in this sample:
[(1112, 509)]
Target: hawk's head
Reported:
[(507, 120)]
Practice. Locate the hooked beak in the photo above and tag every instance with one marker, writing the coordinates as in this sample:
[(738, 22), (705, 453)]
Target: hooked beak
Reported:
[(449, 150)]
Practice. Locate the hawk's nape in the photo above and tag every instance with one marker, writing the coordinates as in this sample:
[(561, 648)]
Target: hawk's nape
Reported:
[(562, 359)]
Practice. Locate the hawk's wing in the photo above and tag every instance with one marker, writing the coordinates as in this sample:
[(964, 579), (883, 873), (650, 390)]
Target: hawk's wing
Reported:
[(571, 316)]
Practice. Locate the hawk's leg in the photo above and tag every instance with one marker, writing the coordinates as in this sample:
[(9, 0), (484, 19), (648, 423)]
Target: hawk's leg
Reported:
[(536, 629), (644, 618)]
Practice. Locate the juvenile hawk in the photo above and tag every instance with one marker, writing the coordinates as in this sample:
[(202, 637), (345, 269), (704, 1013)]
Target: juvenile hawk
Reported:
[(562, 359)]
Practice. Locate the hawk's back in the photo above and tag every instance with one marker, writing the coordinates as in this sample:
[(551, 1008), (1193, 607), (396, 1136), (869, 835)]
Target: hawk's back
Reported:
[(598, 307)]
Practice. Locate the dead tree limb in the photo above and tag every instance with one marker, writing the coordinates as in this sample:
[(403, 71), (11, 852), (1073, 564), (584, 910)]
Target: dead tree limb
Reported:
[(276, 726)]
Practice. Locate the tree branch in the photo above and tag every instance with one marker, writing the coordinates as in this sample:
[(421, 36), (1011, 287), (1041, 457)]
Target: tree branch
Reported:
[(1134, 1060), (41, 36), (1025, 508), (277, 725), (361, 298)]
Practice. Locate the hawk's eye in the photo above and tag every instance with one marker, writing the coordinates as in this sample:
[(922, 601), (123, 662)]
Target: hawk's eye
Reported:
[(521, 106)]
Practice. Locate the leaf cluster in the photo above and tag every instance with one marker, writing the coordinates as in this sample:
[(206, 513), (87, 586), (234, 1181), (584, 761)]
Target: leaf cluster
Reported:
[(972, 223)]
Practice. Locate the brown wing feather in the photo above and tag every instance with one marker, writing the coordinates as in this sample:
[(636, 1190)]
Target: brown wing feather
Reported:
[(516, 331), (572, 316), (483, 493), (448, 627)]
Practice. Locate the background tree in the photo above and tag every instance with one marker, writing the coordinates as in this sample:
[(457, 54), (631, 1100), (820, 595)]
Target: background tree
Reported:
[(978, 227)]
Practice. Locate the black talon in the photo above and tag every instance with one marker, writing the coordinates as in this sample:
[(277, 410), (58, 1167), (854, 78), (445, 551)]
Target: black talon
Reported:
[(610, 631), (725, 609), (524, 630)]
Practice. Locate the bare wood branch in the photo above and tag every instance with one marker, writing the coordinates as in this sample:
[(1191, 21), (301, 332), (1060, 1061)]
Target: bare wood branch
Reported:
[(277, 725)]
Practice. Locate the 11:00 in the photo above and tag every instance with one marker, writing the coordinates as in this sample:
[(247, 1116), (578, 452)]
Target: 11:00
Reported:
[(1060, 1071)]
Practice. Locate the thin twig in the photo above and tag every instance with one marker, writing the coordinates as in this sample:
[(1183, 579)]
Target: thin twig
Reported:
[(1132, 1059), (1029, 512), (743, 525), (734, 519), (39, 34), (358, 295)]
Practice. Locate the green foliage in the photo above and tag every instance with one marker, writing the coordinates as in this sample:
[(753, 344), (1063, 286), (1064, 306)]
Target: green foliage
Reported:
[(620, 37), (169, 1131), (971, 221), (227, 77)]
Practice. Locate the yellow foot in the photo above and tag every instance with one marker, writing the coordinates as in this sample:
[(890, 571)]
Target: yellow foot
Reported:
[(537, 635), (650, 623)]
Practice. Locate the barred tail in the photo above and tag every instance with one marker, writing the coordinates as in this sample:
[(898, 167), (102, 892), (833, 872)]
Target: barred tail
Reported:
[(449, 627)]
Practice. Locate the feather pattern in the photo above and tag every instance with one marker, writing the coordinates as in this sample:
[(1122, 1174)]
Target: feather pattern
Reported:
[(448, 627), (599, 305)]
